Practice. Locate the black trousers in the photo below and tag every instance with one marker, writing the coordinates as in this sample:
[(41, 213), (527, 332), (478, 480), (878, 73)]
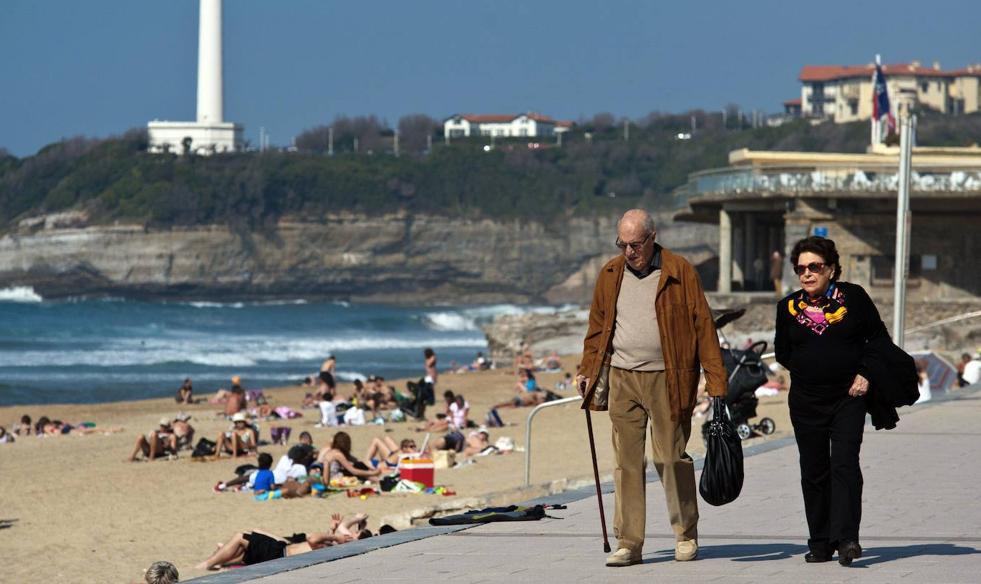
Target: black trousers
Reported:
[(828, 427)]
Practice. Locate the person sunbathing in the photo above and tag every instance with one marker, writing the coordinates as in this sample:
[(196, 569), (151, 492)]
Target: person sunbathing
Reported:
[(256, 546), (526, 392), (478, 443), (241, 439), (338, 461), (160, 442), (386, 455)]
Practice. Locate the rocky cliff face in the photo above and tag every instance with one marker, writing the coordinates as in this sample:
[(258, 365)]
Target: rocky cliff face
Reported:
[(397, 258)]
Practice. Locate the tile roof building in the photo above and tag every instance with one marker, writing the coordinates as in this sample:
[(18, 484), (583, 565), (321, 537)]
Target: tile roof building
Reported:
[(843, 93)]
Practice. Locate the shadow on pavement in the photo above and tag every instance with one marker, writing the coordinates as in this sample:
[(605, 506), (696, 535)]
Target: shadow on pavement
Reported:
[(877, 554)]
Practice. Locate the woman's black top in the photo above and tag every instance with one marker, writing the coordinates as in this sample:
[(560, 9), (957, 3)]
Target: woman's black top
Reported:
[(821, 342)]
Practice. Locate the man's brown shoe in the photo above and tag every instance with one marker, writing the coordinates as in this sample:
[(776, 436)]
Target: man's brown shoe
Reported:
[(686, 551), (623, 557)]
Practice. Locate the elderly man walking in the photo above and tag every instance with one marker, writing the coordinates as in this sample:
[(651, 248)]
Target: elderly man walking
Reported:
[(650, 323)]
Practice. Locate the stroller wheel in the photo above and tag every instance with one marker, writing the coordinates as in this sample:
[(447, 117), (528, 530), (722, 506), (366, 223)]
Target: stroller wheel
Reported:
[(743, 431), (767, 426)]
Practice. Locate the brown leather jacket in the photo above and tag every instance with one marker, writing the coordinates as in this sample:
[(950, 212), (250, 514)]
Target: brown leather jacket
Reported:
[(688, 336)]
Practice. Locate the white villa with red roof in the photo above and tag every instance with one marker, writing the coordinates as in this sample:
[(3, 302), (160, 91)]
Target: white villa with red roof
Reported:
[(529, 125), (843, 93)]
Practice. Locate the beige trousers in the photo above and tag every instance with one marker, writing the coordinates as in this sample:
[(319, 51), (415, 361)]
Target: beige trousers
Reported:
[(635, 397)]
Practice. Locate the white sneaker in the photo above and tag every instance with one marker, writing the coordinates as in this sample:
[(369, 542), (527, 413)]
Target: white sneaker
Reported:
[(623, 557)]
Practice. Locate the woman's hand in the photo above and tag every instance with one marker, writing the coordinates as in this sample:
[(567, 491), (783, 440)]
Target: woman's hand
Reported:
[(859, 387)]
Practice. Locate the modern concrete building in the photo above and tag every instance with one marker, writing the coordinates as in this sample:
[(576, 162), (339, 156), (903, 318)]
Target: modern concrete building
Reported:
[(844, 93), (210, 134), (529, 125), (766, 201)]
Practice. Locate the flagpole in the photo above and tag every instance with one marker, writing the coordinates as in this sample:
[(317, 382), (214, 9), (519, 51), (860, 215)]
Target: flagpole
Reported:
[(907, 129)]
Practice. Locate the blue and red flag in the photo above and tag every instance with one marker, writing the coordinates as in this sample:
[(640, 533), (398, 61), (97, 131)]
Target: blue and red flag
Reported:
[(880, 98)]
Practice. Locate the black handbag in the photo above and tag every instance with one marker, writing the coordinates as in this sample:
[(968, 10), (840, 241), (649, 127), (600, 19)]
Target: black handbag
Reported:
[(722, 475)]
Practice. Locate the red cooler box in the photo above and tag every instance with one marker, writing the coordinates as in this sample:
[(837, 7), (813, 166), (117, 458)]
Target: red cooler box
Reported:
[(420, 470)]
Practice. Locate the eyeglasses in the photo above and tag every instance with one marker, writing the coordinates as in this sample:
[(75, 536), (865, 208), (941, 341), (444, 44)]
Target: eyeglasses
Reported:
[(813, 267), (636, 245)]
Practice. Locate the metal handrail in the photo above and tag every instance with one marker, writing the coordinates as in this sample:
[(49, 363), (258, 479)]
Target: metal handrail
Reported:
[(531, 416)]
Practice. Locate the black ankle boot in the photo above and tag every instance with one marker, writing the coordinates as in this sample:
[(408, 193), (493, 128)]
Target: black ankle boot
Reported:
[(849, 551), (816, 558)]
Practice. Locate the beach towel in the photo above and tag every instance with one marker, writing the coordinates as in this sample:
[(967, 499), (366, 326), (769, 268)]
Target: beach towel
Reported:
[(492, 514)]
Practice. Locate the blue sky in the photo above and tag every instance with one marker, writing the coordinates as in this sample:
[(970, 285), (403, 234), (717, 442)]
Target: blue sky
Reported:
[(98, 67)]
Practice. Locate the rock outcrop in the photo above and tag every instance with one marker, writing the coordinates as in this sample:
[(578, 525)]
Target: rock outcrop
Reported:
[(399, 258)]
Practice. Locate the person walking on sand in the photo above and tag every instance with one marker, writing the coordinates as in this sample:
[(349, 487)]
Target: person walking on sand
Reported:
[(654, 357)]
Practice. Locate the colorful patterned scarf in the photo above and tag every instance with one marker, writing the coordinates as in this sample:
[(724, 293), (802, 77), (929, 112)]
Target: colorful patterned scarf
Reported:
[(817, 314)]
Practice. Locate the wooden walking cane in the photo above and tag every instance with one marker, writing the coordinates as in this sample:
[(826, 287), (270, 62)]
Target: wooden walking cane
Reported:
[(599, 494)]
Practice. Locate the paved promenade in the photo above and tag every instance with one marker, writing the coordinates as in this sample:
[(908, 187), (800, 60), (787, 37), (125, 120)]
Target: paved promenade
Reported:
[(922, 523)]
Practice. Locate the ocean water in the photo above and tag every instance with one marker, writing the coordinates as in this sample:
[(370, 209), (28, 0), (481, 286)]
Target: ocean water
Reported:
[(96, 350)]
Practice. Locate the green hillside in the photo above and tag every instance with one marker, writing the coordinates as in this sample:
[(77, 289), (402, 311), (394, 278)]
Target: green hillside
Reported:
[(595, 169)]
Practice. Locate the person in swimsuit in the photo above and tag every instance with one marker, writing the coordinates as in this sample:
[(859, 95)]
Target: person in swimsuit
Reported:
[(254, 547), (242, 439)]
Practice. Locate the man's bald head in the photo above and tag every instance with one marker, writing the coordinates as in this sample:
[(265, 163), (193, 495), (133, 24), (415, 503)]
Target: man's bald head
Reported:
[(637, 219)]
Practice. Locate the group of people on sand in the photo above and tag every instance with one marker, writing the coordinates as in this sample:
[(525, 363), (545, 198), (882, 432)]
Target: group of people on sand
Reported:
[(46, 427), (169, 437)]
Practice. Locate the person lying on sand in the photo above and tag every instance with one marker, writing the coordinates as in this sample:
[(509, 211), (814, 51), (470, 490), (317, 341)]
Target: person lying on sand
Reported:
[(386, 455), (256, 546), (156, 443)]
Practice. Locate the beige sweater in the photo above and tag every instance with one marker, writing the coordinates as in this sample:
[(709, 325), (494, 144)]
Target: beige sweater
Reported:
[(636, 338)]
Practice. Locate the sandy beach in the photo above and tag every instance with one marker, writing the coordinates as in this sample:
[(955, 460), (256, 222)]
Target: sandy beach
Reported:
[(82, 514)]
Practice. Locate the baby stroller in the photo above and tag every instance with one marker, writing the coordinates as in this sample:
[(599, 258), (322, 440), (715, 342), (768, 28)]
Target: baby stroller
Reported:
[(746, 373)]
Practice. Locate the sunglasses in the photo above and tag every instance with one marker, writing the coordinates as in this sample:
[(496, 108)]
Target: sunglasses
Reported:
[(636, 245), (813, 267)]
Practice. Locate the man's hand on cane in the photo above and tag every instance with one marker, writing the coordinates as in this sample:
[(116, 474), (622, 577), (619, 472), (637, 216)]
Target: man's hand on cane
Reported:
[(581, 384)]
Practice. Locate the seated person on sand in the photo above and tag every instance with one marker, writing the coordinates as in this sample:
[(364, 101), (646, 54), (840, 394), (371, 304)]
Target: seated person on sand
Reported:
[(526, 392), (183, 431), (241, 439), (185, 394), (553, 362), (256, 546), (443, 420), (160, 442), (25, 428), (386, 455), (338, 461)]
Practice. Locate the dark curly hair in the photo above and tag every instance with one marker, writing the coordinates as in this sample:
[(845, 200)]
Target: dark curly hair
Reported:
[(821, 246)]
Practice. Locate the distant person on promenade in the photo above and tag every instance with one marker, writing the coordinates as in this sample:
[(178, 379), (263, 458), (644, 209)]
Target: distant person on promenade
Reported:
[(185, 394), (924, 386), (824, 330), (972, 369), (776, 272), (655, 356)]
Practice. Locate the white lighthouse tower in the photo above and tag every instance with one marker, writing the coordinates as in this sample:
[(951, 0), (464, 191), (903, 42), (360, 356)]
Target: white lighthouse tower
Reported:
[(210, 134)]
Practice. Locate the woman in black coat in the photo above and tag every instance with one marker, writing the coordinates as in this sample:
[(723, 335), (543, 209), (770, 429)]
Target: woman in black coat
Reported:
[(821, 333)]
